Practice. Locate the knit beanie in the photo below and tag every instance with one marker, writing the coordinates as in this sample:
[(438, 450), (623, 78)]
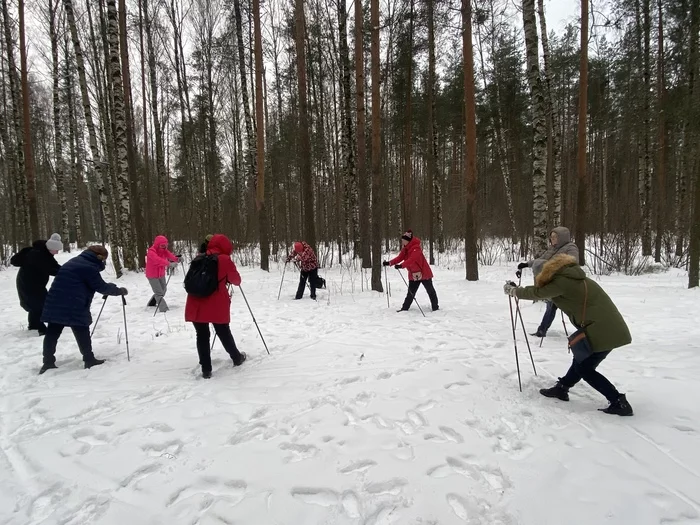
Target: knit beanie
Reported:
[(54, 244), (408, 235)]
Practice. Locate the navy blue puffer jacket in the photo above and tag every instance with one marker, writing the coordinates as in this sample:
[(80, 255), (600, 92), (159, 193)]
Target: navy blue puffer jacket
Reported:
[(71, 293)]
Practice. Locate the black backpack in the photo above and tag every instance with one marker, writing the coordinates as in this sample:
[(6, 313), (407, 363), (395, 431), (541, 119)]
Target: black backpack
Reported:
[(202, 278)]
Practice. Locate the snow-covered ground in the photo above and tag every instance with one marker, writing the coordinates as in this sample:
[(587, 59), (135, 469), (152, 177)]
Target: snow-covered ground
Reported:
[(360, 415)]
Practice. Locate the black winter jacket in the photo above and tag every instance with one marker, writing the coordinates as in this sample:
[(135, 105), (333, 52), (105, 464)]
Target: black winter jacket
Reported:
[(36, 264)]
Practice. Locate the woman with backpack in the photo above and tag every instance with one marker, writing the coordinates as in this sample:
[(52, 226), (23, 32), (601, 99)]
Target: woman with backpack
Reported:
[(158, 259), (208, 300)]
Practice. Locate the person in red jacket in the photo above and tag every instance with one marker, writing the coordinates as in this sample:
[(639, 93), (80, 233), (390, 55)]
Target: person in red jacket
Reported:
[(412, 259), (215, 308), (308, 264)]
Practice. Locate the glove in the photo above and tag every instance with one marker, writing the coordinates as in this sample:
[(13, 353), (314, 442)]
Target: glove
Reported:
[(519, 274), (179, 257), (398, 266), (385, 263), (522, 266), (510, 288), (123, 291)]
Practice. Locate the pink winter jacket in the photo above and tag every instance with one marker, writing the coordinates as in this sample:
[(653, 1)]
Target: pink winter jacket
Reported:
[(158, 259)]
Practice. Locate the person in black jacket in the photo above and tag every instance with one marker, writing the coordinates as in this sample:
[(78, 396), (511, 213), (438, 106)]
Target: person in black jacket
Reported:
[(68, 304), (36, 263)]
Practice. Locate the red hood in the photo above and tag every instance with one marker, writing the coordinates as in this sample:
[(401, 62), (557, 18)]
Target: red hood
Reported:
[(413, 242), (160, 239), (220, 244)]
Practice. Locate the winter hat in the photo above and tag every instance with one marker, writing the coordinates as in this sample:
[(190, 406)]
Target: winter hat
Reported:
[(54, 244), (298, 247), (408, 235), (208, 237)]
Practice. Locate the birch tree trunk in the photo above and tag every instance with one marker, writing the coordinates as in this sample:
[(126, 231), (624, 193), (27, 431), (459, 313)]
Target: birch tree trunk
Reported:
[(307, 188), (23, 225), (97, 163), (60, 167), (122, 154), (552, 119), (582, 166), (539, 147), (75, 173), (376, 153), (470, 174)]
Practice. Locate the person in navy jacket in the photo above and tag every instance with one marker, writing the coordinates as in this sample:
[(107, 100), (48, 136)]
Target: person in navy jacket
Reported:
[(68, 304)]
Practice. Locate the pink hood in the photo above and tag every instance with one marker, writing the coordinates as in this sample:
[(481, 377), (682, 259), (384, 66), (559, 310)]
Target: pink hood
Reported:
[(158, 259)]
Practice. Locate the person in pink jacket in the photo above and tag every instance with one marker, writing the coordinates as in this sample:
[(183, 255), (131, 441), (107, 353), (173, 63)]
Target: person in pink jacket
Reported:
[(158, 259)]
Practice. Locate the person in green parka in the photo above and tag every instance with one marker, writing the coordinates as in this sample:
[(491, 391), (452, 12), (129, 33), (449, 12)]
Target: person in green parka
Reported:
[(564, 282)]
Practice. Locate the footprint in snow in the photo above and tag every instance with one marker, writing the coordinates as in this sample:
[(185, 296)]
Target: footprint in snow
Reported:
[(299, 452), (450, 386), (316, 496), (358, 466)]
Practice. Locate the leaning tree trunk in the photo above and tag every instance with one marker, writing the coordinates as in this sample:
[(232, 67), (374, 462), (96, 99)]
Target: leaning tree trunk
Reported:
[(362, 178), (120, 137), (539, 148), (581, 210), (470, 175), (553, 118), (58, 135), (97, 162), (29, 168), (307, 187), (20, 178), (376, 153), (260, 117)]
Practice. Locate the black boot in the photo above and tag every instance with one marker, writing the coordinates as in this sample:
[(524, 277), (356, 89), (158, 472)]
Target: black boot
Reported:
[(539, 333), (47, 367), (402, 310), (619, 407), (558, 391), (206, 374), (242, 360), (93, 362)]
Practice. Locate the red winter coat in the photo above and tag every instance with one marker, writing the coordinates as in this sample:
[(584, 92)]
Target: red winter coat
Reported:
[(411, 257), (305, 255), (217, 307)]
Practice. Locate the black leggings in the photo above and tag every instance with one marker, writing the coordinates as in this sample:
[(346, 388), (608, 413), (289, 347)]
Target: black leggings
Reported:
[(413, 288), (204, 350)]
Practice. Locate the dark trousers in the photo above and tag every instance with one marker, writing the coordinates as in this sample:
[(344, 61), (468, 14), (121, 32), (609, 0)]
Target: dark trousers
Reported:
[(413, 288), (586, 370), (223, 331), (82, 337), (549, 314), (34, 321), (312, 277)]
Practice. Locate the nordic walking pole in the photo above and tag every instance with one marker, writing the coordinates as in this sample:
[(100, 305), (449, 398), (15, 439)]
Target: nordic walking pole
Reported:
[(409, 291), (522, 323), (126, 331), (564, 323), (386, 282), (515, 341), (162, 296), (98, 315), (282, 281), (256, 322)]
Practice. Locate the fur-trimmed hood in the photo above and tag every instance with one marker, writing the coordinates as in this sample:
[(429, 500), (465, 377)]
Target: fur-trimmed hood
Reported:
[(562, 263)]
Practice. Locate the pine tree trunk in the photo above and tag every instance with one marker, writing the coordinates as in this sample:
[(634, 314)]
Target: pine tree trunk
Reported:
[(76, 174), (470, 174), (347, 136), (582, 168), (144, 97), (260, 117), (29, 168), (58, 137), (21, 190), (307, 187), (362, 175), (646, 195), (693, 116), (97, 162), (661, 174), (120, 117), (376, 236), (408, 128), (432, 140), (552, 119), (539, 148), (161, 174)]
